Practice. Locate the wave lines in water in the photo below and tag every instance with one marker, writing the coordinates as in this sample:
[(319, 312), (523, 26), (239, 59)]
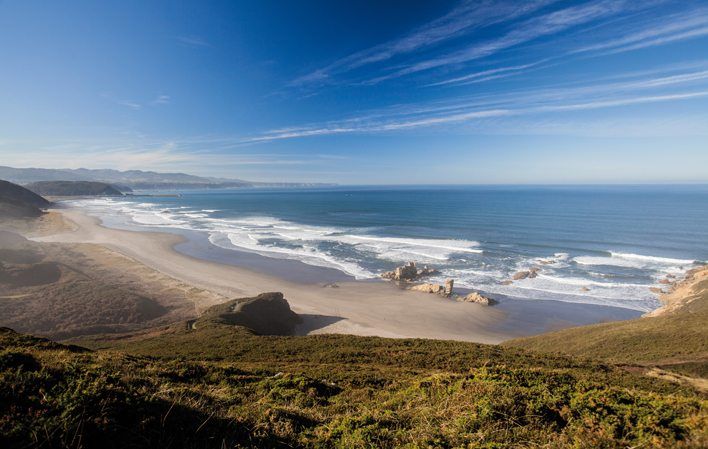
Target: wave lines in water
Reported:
[(609, 278)]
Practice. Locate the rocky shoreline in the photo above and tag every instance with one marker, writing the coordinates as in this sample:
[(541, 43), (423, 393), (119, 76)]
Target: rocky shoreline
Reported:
[(410, 273)]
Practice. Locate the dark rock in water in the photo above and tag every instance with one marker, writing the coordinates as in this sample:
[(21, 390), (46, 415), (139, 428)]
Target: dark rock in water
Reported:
[(265, 314), (520, 275), (530, 274)]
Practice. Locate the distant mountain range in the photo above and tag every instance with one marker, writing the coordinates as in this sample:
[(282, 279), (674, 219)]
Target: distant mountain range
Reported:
[(134, 179)]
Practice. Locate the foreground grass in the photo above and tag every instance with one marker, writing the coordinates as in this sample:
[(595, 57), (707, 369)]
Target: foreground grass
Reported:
[(220, 386)]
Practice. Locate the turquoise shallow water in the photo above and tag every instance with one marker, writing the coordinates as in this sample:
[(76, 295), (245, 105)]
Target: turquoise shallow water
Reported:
[(594, 245)]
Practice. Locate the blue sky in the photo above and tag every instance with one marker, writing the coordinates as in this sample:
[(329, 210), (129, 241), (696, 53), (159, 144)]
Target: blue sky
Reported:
[(542, 91)]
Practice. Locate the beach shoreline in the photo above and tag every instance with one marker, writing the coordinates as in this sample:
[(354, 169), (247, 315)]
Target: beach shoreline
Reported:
[(371, 308)]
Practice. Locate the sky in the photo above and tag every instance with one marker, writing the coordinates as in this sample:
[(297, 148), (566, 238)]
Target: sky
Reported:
[(365, 92)]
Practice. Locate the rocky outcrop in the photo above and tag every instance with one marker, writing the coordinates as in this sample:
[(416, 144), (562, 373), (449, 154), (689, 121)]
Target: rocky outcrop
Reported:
[(476, 298), (448, 286), (525, 274), (442, 290), (265, 314), (429, 288), (683, 292), (409, 273)]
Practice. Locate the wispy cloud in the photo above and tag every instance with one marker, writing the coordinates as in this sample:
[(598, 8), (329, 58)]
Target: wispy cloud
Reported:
[(487, 75), (161, 99), (136, 106), (540, 101), (632, 36), (600, 28), (531, 29), (193, 41), (676, 27), (467, 17), (130, 104)]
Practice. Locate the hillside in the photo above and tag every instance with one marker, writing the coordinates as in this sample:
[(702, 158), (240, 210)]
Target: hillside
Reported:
[(135, 179), (19, 202), (221, 385), (74, 188), (675, 338)]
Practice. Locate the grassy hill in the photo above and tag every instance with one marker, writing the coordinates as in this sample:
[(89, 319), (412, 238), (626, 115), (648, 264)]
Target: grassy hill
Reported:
[(18, 202), (218, 384), (676, 340), (74, 188)]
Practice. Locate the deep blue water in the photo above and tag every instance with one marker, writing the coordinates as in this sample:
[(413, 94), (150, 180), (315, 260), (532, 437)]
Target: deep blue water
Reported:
[(601, 245)]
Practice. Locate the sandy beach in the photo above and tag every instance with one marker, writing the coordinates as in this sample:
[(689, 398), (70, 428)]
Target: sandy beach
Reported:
[(358, 308)]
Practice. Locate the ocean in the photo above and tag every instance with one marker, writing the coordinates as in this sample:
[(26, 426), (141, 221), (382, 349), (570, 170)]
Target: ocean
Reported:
[(605, 245)]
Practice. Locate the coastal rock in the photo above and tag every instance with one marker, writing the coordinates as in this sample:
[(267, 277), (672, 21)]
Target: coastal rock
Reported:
[(524, 274), (265, 314), (507, 282), (476, 298), (584, 289), (409, 272), (656, 290), (429, 288), (448, 287), (665, 281), (437, 289)]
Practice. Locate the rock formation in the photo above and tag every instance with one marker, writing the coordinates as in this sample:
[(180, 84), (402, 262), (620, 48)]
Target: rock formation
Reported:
[(476, 298), (409, 272), (265, 314), (429, 288), (441, 290), (530, 274), (448, 286)]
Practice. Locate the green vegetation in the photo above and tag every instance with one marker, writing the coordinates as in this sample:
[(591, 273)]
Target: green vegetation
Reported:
[(675, 341), (74, 188), (18, 202), (222, 386)]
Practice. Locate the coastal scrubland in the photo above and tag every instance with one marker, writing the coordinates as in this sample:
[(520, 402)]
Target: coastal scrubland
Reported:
[(221, 385)]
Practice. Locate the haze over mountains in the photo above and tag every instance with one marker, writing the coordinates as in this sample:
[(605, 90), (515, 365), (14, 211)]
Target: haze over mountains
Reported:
[(135, 179)]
